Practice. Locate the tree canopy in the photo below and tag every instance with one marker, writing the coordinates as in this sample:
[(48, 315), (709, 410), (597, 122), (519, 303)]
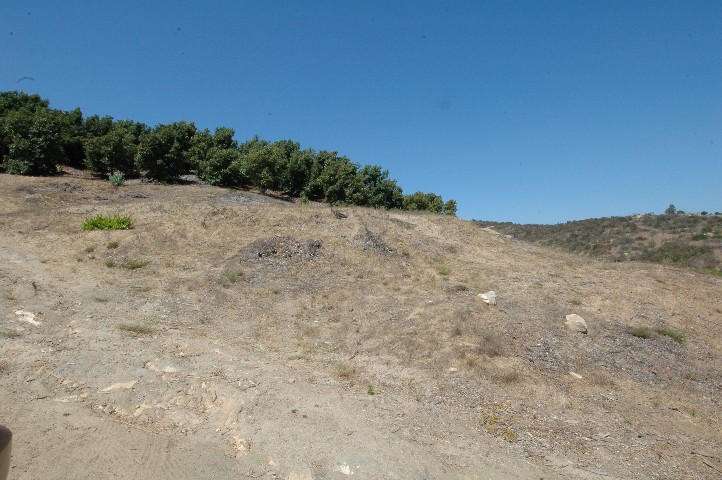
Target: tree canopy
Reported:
[(35, 140)]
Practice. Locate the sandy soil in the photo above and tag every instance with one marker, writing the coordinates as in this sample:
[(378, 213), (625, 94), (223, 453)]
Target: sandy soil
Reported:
[(236, 335)]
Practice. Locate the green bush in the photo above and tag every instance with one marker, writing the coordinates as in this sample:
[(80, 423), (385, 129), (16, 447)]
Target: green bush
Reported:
[(116, 179), (100, 222)]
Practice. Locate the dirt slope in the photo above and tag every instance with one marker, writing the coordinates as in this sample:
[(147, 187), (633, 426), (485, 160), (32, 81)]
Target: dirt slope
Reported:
[(257, 338)]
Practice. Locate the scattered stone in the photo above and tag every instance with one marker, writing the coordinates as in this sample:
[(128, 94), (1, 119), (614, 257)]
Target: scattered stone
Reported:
[(26, 316), (117, 386), (338, 213), (576, 323), (489, 297), (453, 370), (576, 375), (291, 380)]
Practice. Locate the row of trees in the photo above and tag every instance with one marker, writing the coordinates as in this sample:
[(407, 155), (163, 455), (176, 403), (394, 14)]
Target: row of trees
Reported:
[(35, 139)]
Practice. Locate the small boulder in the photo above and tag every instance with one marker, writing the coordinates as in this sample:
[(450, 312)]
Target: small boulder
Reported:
[(576, 323), (489, 297)]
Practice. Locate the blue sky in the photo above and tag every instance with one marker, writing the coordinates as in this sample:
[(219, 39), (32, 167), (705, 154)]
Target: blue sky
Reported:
[(523, 111)]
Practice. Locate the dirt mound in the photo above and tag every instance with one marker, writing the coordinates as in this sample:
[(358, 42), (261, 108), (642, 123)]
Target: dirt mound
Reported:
[(283, 248)]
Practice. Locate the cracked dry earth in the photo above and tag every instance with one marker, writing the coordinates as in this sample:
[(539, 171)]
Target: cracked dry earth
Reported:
[(235, 335)]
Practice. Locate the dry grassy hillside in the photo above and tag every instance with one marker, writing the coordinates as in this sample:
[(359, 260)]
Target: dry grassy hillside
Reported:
[(234, 335), (688, 240)]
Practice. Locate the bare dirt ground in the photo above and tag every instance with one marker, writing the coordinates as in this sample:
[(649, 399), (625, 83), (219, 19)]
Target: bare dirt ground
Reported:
[(234, 335)]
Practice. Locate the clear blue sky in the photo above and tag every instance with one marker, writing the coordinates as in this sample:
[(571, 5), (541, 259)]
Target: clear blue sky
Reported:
[(525, 111)]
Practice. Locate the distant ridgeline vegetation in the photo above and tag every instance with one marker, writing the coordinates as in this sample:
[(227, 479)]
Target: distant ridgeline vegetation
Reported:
[(676, 237), (35, 140)]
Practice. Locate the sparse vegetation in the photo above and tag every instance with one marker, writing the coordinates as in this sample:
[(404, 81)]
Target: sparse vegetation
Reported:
[(640, 332), (495, 419), (112, 245), (135, 264), (5, 364), (136, 328), (110, 263), (6, 333), (230, 277), (345, 370), (681, 239), (673, 334), (443, 270), (101, 222)]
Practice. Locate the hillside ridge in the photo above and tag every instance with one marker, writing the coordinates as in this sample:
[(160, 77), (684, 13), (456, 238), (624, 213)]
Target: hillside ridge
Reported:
[(234, 334)]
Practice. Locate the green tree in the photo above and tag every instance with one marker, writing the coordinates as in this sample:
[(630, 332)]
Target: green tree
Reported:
[(424, 201), (73, 137), (334, 179), (671, 210), (217, 159), (96, 126), (380, 191), (34, 143), (450, 208), (163, 154), (17, 110), (113, 152)]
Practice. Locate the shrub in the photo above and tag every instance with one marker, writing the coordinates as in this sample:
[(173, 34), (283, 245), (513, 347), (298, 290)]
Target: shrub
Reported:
[(673, 334), (640, 332), (100, 222), (135, 264), (116, 179), (443, 270)]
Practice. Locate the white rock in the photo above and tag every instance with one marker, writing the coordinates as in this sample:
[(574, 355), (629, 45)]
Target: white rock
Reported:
[(117, 386), (576, 323), (489, 297), (27, 317)]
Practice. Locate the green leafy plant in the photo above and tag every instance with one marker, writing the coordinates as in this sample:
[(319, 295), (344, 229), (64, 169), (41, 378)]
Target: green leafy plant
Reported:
[(101, 222), (117, 179)]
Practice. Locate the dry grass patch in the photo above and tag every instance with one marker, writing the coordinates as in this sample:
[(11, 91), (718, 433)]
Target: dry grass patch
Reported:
[(345, 370), (5, 365), (135, 264), (11, 333), (136, 328)]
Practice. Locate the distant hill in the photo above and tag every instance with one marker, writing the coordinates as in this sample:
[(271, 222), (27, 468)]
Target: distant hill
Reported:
[(692, 240)]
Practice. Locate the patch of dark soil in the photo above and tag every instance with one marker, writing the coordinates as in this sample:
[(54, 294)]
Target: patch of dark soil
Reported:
[(249, 199), (133, 195), (338, 213), (372, 241), (282, 248), (64, 187)]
